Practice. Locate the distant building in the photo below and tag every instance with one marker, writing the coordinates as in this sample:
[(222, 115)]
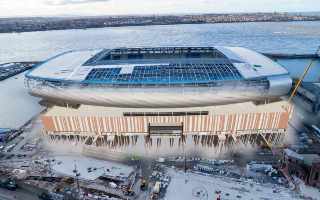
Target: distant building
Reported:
[(304, 166)]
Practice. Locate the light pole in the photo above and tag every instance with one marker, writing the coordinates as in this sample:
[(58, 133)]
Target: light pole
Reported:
[(77, 175)]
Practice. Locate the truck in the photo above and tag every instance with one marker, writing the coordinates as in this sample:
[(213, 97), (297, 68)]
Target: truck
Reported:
[(156, 188)]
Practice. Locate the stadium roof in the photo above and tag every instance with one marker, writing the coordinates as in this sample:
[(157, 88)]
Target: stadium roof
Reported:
[(161, 65)]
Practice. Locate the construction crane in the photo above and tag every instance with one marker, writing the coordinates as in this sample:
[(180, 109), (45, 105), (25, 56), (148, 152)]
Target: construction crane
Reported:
[(312, 61), (297, 85), (305, 72)]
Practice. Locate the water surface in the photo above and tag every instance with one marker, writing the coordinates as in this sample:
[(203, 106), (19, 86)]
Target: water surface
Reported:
[(281, 37)]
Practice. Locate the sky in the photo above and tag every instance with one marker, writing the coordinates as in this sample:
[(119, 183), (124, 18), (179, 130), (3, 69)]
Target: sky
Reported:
[(14, 8)]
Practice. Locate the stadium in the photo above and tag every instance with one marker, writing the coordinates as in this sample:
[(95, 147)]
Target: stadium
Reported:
[(159, 77), (164, 91)]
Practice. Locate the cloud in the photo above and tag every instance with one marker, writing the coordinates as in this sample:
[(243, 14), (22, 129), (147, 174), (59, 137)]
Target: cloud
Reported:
[(68, 2), (128, 7)]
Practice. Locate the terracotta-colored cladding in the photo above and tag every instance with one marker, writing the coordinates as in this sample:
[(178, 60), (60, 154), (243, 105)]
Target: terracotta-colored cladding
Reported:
[(61, 124), (213, 123), (141, 122), (274, 126), (126, 124), (242, 121), (87, 119), (84, 124), (144, 124), (187, 124), (193, 123), (132, 126), (228, 123), (231, 123), (284, 118), (94, 124), (65, 122), (210, 123), (78, 124), (70, 123), (73, 124), (207, 123), (101, 127), (258, 118), (137, 123), (252, 121), (111, 121), (119, 128), (56, 122), (48, 123), (248, 127), (247, 122), (271, 118), (265, 119), (235, 122), (222, 122), (116, 124)]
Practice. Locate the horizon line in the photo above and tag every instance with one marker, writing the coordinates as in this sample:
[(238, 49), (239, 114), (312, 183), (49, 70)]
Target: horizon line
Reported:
[(158, 14)]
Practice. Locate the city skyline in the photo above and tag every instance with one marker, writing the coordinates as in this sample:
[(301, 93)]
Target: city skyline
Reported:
[(14, 8)]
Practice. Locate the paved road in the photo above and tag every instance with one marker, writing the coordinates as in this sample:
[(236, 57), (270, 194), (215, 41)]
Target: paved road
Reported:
[(30, 133), (16, 195)]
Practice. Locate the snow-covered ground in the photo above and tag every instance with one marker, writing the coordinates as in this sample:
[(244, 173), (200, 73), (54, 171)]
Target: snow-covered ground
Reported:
[(66, 164), (195, 186), (308, 191)]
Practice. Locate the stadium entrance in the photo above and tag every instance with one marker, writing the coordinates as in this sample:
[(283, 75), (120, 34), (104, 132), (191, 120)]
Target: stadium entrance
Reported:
[(165, 129)]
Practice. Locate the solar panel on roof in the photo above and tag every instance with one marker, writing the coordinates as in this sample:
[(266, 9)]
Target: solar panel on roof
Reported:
[(165, 74)]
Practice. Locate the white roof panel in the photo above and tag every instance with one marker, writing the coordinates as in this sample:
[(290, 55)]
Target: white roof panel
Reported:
[(64, 66), (69, 66), (252, 64), (127, 69)]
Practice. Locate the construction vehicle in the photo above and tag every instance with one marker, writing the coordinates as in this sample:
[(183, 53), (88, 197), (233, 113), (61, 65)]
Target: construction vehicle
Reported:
[(144, 185), (306, 70)]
